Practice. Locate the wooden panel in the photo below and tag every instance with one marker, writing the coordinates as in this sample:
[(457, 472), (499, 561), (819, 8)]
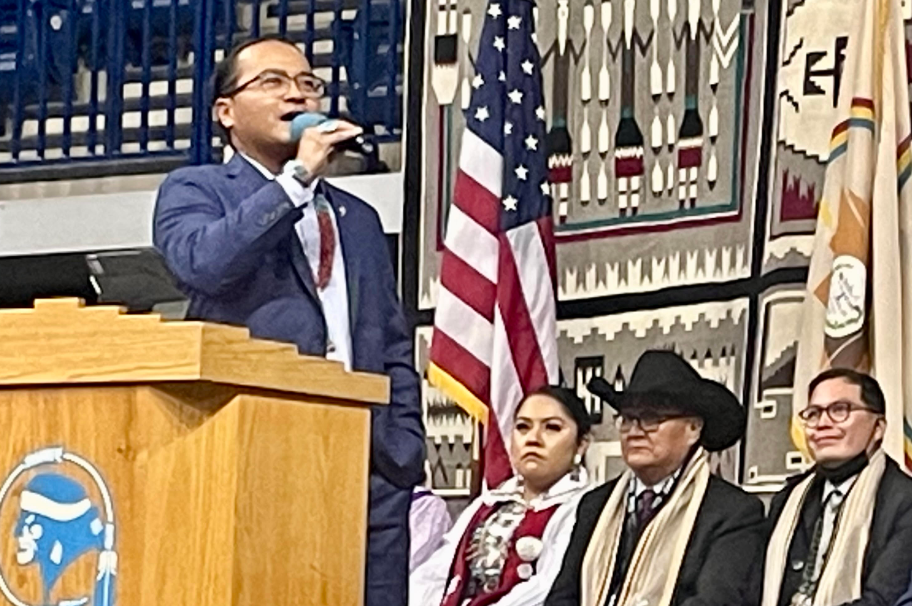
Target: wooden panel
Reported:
[(105, 426), (61, 341), (56, 349), (220, 497), (302, 504), (284, 371), (189, 526)]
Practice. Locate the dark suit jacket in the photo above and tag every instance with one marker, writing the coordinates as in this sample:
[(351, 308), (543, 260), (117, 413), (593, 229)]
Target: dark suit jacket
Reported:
[(906, 598), (723, 560), (888, 556)]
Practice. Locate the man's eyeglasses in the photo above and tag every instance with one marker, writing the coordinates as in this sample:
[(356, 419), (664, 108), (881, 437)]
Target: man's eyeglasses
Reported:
[(279, 83), (838, 412), (648, 423)]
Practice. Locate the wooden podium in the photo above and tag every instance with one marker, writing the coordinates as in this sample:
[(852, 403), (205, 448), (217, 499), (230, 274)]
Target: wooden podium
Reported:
[(176, 464)]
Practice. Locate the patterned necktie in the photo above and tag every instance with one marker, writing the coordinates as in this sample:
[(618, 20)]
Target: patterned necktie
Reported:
[(645, 507), (815, 557), (327, 240)]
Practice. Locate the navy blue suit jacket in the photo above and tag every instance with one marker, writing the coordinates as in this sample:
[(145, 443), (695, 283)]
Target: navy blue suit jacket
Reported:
[(228, 235)]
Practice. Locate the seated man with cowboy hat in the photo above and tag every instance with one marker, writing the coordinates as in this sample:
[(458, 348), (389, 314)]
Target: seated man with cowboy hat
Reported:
[(842, 532), (667, 532)]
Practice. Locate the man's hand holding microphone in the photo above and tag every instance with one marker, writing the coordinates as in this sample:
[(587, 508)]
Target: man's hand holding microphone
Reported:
[(319, 137)]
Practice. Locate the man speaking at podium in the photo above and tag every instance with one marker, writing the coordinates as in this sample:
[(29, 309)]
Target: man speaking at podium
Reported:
[(263, 242)]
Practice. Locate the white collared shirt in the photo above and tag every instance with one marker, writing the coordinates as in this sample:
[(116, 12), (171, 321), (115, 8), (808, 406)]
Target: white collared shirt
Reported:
[(512, 491), (334, 298)]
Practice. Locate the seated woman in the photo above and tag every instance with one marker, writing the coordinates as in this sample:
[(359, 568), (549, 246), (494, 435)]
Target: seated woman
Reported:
[(507, 546)]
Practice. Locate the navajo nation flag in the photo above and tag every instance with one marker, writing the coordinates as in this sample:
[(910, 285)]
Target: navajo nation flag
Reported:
[(495, 335), (858, 311)]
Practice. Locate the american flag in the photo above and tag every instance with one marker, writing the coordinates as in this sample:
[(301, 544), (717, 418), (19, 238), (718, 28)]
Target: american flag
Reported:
[(495, 327)]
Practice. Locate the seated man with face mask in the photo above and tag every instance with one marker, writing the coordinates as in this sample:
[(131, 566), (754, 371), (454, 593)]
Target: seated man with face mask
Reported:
[(842, 532), (666, 532)]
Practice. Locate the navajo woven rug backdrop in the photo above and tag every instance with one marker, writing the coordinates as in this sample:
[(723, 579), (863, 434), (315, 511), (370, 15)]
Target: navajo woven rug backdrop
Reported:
[(687, 143)]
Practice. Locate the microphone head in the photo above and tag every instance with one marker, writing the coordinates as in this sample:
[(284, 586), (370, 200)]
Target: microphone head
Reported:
[(362, 144), (301, 122)]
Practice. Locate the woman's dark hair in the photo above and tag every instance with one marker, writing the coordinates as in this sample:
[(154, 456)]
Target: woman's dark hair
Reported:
[(570, 402), (871, 394)]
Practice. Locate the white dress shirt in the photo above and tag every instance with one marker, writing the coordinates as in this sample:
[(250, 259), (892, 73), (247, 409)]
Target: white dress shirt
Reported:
[(334, 298)]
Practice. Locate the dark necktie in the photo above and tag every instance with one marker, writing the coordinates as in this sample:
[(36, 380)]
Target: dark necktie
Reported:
[(327, 240), (645, 507)]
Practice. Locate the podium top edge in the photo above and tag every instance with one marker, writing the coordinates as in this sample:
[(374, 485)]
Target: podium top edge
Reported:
[(63, 341)]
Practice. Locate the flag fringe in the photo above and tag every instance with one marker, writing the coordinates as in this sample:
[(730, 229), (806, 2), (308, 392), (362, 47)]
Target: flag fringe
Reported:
[(458, 392)]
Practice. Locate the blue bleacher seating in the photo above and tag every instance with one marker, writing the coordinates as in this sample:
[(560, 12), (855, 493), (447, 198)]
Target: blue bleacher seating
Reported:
[(81, 63), (368, 102)]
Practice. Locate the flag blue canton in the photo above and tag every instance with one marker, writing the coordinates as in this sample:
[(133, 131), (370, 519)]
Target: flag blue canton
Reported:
[(507, 109)]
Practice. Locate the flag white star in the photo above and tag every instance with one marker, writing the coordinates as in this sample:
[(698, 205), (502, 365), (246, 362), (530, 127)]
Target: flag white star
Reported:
[(508, 128), (521, 172), (531, 143), (515, 96), (514, 22), (527, 67), (510, 203), (546, 189), (540, 113), (499, 43), (482, 113), (502, 76), (494, 11), (477, 81)]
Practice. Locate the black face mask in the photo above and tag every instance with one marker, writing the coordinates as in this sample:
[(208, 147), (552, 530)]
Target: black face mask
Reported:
[(843, 471)]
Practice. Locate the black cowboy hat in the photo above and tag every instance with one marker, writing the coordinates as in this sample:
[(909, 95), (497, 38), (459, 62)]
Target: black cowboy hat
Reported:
[(665, 372)]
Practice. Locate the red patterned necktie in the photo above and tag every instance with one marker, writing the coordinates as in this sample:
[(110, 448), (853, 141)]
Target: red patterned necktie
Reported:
[(327, 241)]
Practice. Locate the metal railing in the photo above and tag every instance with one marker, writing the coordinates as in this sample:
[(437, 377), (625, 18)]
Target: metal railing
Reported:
[(100, 82)]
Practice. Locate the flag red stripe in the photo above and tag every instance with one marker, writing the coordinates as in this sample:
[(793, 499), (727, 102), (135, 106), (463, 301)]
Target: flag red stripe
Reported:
[(461, 365), (468, 285), (903, 146), (862, 102), (496, 460), (840, 128), (546, 231), (527, 358), (477, 202)]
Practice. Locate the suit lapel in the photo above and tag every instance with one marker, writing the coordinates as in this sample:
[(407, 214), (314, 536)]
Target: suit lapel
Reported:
[(249, 180), (348, 241)]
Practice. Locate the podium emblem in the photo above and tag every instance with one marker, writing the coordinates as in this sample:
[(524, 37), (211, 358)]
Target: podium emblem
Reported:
[(62, 533)]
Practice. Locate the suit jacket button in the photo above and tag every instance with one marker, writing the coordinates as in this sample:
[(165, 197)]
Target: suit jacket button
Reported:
[(797, 565), (330, 347)]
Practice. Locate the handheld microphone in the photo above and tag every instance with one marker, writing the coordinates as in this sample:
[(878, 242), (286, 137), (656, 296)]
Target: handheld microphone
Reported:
[(361, 144)]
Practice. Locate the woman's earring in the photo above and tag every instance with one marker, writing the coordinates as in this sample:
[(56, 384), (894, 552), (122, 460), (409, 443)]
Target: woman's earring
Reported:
[(575, 474)]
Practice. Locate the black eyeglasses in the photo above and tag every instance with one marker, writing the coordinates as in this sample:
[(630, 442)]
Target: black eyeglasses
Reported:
[(838, 412), (648, 422), (279, 83)]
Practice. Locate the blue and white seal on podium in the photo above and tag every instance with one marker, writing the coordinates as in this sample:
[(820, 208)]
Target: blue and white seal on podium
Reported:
[(59, 521)]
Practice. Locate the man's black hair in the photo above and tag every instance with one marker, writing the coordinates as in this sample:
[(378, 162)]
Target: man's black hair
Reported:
[(871, 393)]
